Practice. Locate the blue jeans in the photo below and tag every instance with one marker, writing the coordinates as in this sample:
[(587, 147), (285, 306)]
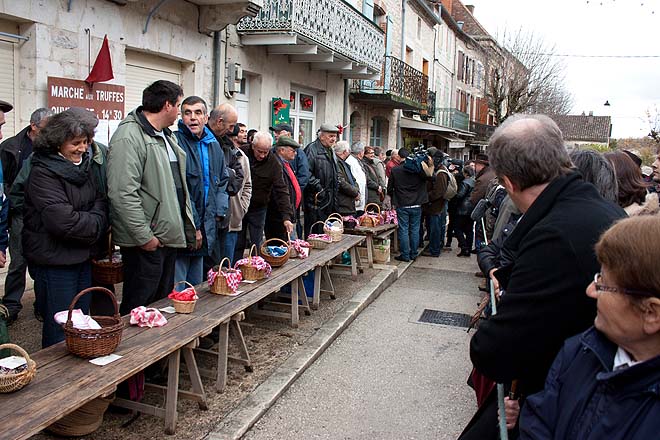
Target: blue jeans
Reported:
[(188, 268), (230, 245), (435, 238), (54, 289), (409, 220)]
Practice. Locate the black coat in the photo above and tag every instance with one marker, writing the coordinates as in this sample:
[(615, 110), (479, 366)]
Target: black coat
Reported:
[(321, 190), (10, 154), (65, 214), (268, 183), (372, 181), (545, 300), (347, 190), (407, 188)]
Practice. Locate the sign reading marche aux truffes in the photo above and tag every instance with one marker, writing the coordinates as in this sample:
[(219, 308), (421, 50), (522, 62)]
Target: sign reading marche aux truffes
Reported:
[(105, 100)]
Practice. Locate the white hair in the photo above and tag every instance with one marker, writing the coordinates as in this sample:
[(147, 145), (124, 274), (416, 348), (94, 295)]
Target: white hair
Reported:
[(357, 148), (262, 136), (340, 147)]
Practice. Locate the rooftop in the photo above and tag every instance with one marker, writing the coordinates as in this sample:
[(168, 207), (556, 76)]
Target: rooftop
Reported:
[(584, 127)]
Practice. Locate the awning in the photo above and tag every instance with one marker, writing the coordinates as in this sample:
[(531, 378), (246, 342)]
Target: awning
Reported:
[(455, 142), (414, 124)]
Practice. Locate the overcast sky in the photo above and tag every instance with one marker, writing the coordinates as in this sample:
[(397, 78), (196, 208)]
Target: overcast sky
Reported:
[(594, 27)]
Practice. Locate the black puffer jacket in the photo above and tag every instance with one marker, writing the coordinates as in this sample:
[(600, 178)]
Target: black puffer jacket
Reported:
[(64, 212), (463, 204)]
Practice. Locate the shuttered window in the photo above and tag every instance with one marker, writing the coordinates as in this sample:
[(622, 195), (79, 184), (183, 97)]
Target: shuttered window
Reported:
[(7, 86), (143, 69)]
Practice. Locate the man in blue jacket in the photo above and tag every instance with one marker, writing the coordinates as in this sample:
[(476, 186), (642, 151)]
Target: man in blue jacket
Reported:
[(206, 178)]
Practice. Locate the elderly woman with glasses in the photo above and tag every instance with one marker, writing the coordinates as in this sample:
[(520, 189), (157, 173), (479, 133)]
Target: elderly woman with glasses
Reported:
[(605, 383)]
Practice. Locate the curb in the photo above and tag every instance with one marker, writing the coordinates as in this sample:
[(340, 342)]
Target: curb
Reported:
[(250, 410)]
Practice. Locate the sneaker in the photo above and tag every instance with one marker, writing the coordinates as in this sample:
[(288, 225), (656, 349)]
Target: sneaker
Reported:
[(400, 258)]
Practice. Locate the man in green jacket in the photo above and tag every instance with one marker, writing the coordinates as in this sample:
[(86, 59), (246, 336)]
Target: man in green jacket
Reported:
[(150, 208)]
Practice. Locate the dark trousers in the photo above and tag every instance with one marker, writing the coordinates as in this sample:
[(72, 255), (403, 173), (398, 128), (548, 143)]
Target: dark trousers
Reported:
[(451, 225), (253, 226), (148, 276), (54, 289), (463, 230), (15, 281)]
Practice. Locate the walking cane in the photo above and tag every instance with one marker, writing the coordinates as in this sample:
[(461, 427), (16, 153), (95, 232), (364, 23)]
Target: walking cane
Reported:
[(504, 435)]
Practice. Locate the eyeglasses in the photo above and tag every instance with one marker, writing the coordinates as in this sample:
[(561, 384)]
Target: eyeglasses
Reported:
[(602, 288)]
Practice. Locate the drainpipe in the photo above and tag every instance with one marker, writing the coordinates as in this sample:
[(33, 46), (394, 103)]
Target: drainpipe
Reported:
[(346, 122), (399, 135), (216, 68)]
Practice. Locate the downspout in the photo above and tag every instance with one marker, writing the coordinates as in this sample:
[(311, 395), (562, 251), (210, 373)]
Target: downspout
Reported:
[(346, 134), (216, 68), (399, 135)]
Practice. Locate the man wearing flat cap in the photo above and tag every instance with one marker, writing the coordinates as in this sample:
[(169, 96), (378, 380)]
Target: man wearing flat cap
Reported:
[(286, 150), (321, 191)]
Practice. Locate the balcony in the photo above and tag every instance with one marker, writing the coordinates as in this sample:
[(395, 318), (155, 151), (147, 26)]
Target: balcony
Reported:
[(482, 131), (451, 117), (331, 35), (399, 86)]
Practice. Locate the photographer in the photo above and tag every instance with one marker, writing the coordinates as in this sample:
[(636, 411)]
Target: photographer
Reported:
[(407, 185)]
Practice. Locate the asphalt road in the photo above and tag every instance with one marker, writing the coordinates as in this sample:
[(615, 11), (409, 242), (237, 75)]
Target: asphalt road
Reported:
[(389, 376)]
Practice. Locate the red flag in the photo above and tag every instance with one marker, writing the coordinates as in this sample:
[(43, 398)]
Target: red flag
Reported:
[(102, 70)]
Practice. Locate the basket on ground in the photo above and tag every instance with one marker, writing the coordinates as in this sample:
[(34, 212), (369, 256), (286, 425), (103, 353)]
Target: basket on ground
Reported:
[(91, 343), (183, 306), (318, 241), (110, 270), (224, 281), (249, 269), (334, 227), (11, 382), (84, 420), (273, 260), (371, 219)]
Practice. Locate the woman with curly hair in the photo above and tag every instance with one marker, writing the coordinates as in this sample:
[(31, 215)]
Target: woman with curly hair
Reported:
[(632, 190), (65, 216)]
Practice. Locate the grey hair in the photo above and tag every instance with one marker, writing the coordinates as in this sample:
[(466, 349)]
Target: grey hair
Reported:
[(357, 147), (262, 136), (596, 169), (340, 147), (529, 150), (39, 115)]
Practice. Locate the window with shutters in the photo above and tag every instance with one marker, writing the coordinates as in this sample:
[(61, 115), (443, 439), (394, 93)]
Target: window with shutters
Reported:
[(368, 9), (8, 76), (459, 70)]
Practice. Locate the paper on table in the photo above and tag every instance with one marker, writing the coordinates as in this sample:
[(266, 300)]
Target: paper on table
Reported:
[(12, 362), (168, 309), (248, 281), (105, 360)]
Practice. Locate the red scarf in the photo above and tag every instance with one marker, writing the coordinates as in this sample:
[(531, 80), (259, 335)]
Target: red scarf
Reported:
[(294, 182)]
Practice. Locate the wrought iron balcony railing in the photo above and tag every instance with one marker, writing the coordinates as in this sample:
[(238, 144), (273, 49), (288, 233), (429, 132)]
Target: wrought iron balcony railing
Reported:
[(331, 23), (482, 131), (401, 81), (451, 117)]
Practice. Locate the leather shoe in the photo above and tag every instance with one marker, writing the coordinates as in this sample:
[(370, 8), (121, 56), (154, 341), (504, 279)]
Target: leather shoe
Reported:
[(429, 254), (464, 253), (400, 258)]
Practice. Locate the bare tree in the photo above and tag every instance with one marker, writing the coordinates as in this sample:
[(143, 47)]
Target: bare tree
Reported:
[(525, 77), (653, 117)]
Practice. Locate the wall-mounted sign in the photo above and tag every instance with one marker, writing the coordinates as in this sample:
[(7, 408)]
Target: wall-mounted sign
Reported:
[(280, 111), (104, 100)]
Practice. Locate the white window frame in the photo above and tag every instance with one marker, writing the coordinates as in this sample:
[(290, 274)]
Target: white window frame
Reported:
[(296, 112)]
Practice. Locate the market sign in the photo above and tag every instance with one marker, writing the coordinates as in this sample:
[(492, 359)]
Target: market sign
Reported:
[(105, 100)]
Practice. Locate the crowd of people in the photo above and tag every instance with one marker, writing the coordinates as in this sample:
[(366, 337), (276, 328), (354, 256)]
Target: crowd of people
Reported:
[(577, 352)]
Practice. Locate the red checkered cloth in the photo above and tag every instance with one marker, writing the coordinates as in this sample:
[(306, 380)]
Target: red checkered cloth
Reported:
[(233, 278), (257, 262), (390, 216), (298, 246)]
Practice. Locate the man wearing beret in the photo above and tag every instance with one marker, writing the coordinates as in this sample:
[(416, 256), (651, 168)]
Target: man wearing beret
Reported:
[(321, 191), (286, 150)]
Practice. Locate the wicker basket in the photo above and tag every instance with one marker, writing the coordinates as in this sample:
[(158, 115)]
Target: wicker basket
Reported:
[(272, 260), (250, 272), (108, 272), (83, 421), (220, 286), (373, 220), (335, 235), (15, 381), (317, 242), (183, 306), (91, 343)]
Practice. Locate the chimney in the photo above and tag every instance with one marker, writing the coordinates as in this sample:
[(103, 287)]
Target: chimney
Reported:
[(591, 113), (460, 24), (470, 8)]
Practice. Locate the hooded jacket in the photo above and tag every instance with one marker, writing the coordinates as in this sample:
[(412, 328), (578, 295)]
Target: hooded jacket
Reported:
[(210, 200), (65, 214), (584, 399), (143, 199)]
